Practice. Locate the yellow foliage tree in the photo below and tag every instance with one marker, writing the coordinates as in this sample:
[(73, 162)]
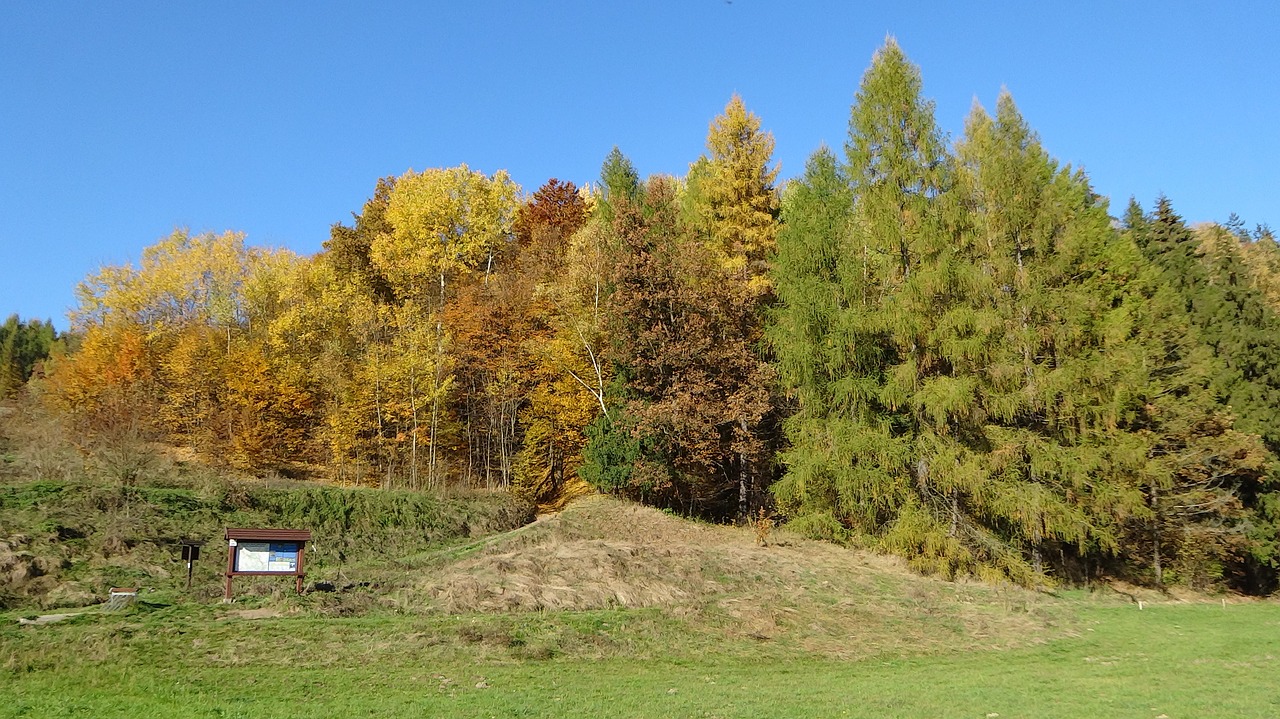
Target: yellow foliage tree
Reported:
[(444, 223), (734, 185)]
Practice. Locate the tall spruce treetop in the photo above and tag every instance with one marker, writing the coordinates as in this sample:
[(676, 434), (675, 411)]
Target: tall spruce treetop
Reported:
[(618, 180), (1231, 315), (1204, 476)]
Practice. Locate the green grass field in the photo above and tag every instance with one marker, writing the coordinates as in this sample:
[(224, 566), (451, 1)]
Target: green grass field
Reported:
[(1175, 660), (453, 606)]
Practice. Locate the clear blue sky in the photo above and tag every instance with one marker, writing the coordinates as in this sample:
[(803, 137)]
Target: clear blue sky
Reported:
[(121, 121)]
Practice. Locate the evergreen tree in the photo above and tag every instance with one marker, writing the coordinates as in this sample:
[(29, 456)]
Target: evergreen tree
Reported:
[(1235, 513), (901, 409), (1202, 473), (612, 449), (808, 274), (1232, 317), (619, 182)]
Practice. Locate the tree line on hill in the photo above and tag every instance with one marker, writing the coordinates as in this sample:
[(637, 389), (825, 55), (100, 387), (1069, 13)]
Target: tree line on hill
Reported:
[(949, 351), (24, 345)]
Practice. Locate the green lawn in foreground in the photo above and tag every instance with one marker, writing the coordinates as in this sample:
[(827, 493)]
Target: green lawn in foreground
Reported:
[(1172, 660)]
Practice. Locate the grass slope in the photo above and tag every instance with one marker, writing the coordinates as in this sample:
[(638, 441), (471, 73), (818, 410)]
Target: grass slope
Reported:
[(64, 543), (793, 596)]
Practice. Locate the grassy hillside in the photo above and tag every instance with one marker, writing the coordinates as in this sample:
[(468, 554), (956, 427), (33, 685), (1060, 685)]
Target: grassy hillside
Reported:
[(614, 610), (64, 543), (74, 523), (717, 590)]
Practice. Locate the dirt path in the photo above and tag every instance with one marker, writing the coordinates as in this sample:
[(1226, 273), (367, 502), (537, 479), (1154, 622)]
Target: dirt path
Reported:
[(49, 618)]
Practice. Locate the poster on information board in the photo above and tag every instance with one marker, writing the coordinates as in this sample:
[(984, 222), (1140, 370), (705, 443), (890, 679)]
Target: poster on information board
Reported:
[(279, 557)]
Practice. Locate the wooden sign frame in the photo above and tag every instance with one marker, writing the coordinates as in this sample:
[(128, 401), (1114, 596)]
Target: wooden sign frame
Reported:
[(235, 539)]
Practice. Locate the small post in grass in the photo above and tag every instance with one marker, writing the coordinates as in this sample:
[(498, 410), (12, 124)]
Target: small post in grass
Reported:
[(190, 553), (121, 597)]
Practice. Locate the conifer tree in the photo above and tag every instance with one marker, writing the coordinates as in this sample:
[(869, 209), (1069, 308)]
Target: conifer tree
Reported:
[(1232, 317), (734, 202), (962, 343), (813, 260), (901, 409), (739, 194), (590, 326), (23, 345), (1217, 513), (619, 182)]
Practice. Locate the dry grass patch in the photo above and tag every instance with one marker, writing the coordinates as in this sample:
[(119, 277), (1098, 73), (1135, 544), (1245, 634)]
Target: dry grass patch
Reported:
[(603, 553)]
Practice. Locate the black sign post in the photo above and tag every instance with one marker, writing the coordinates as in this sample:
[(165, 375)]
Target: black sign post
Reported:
[(190, 553)]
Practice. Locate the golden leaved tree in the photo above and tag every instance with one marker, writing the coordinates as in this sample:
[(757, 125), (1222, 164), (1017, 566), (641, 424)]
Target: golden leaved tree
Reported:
[(443, 225), (191, 321)]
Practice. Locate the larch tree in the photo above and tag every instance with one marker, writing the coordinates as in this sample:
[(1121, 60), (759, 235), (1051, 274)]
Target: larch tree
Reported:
[(739, 194), (917, 336), (1057, 466), (908, 405), (811, 277), (734, 201)]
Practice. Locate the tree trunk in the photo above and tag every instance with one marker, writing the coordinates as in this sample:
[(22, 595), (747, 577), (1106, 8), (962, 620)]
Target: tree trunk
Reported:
[(1155, 536), (435, 394), (744, 476)]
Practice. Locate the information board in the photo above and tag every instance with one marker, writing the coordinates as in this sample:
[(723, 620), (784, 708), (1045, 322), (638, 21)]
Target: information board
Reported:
[(265, 551), (267, 557)]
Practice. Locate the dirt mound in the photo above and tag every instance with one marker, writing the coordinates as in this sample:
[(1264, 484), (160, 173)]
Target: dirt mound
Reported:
[(576, 574), (599, 553), (602, 553)]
